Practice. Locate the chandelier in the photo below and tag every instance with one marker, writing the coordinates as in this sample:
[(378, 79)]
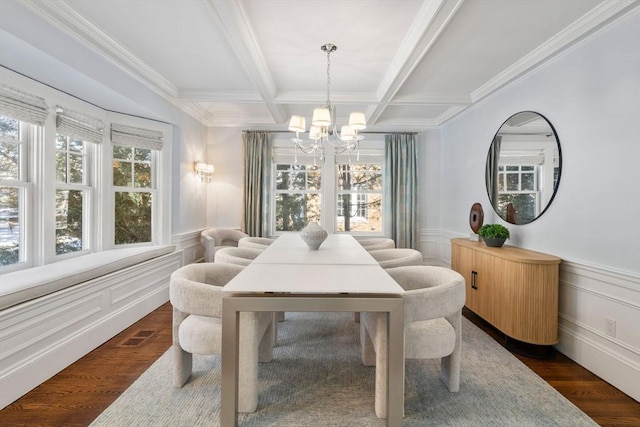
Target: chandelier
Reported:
[(323, 124)]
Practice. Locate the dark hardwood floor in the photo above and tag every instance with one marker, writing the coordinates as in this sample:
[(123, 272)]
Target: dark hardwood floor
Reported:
[(78, 394)]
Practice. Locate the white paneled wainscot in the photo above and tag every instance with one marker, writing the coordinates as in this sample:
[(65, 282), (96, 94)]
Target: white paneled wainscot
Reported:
[(42, 336)]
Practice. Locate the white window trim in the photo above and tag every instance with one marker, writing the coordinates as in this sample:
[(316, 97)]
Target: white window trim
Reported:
[(39, 236), (329, 191)]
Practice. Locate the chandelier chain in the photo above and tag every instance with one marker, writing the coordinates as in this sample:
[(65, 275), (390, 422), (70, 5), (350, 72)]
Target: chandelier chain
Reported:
[(328, 78)]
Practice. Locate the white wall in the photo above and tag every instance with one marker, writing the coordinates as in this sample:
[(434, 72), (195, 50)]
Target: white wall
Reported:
[(224, 206), (591, 94)]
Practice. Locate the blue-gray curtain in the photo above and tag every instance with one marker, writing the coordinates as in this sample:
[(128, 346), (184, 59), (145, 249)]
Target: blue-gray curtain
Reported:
[(256, 150), (401, 189)]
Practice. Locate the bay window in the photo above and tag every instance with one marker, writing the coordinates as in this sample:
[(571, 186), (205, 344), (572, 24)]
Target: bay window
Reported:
[(69, 188)]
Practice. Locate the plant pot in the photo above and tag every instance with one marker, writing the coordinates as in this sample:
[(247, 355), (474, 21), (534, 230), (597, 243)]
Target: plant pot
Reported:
[(494, 242)]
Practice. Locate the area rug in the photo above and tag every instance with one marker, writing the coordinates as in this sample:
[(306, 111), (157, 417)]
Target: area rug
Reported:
[(316, 378)]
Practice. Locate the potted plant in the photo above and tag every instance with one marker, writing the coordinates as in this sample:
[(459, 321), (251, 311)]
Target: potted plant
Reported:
[(494, 235)]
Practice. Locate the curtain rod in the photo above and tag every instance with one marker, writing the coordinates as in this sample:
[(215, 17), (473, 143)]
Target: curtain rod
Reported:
[(363, 133)]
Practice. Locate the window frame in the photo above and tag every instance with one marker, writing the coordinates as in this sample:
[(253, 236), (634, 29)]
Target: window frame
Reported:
[(87, 189), (27, 137), (40, 183), (283, 153)]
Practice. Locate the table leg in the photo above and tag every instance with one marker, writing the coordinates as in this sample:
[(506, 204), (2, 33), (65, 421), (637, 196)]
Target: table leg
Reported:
[(395, 365), (230, 352)]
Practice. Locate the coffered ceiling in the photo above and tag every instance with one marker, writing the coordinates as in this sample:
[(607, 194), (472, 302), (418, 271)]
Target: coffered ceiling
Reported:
[(408, 64)]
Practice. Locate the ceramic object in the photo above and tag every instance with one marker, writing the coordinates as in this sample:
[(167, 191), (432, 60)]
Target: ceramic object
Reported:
[(313, 235), (494, 242), (476, 217)]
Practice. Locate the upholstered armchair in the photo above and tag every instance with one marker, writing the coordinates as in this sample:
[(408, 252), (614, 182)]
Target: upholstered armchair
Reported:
[(398, 257), (433, 301), (255, 242), (195, 291), (216, 238), (238, 256), (375, 243)]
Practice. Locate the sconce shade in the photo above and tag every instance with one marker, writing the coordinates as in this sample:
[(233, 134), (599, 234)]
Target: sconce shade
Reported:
[(357, 120), (204, 170), (321, 117)]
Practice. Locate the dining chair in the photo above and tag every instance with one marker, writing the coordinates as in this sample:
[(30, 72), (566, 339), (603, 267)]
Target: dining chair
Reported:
[(195, 291), (433, 301), (238, 256), (214, 239), (375, 243), (397, 257), (255, 242)]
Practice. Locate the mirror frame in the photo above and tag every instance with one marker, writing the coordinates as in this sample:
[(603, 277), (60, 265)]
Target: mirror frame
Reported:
[(488, 160)]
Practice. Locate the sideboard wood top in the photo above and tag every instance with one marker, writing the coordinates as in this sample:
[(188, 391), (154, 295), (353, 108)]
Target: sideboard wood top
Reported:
[(512, 253)]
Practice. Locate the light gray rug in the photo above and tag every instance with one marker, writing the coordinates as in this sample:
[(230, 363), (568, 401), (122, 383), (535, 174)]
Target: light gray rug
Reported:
[(316, 379)]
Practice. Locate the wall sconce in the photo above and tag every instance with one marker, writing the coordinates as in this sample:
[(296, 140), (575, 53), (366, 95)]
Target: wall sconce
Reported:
[(204, 171)]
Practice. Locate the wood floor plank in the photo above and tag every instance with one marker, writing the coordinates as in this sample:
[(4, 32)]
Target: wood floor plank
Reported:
[(78, 394)]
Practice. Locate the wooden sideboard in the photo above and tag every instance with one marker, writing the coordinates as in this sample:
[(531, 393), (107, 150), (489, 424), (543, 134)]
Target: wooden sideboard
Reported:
[(514, 289)]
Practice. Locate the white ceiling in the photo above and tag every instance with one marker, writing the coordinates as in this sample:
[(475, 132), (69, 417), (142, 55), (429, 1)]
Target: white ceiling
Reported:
[(408, 64)]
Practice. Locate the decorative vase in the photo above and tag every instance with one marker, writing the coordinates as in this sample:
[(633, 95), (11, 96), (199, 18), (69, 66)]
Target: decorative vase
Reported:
[(494, 242), (313, 235)]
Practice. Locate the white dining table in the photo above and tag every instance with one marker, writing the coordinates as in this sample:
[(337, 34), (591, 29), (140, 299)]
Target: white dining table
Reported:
[(288, 276)]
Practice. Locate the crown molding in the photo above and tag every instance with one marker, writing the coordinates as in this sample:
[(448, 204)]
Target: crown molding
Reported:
[(568, 36), (198, 112), (61, 15)]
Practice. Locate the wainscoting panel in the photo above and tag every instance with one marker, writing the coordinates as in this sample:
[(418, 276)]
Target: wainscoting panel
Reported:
[(41, 337), (189, 243), (590, 299)]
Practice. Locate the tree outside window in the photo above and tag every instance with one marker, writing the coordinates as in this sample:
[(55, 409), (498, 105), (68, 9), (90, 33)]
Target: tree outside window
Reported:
[(297, 196), (71, 194), (134, 194), (12, 188), (359, 197)]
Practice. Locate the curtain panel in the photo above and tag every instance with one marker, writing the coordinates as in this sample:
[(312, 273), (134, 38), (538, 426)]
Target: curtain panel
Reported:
[(256, 150), (401, 189)]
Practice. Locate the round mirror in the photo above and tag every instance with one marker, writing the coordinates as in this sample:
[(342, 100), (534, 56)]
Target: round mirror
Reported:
[(523, 167)]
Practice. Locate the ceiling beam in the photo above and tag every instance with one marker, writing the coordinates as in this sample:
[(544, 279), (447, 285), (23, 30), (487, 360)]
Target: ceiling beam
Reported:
[(232, 19), (429, 23)]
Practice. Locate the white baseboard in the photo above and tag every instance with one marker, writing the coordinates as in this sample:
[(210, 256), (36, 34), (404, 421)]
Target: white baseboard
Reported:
[(43, 336)]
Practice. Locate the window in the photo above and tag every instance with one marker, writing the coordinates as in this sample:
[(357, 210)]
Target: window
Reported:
[(133, 194), (342, 193), (134, 183), (72, 194), (297, 196), (66, 188), (518, 185), (13, 189), (359, 197)]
